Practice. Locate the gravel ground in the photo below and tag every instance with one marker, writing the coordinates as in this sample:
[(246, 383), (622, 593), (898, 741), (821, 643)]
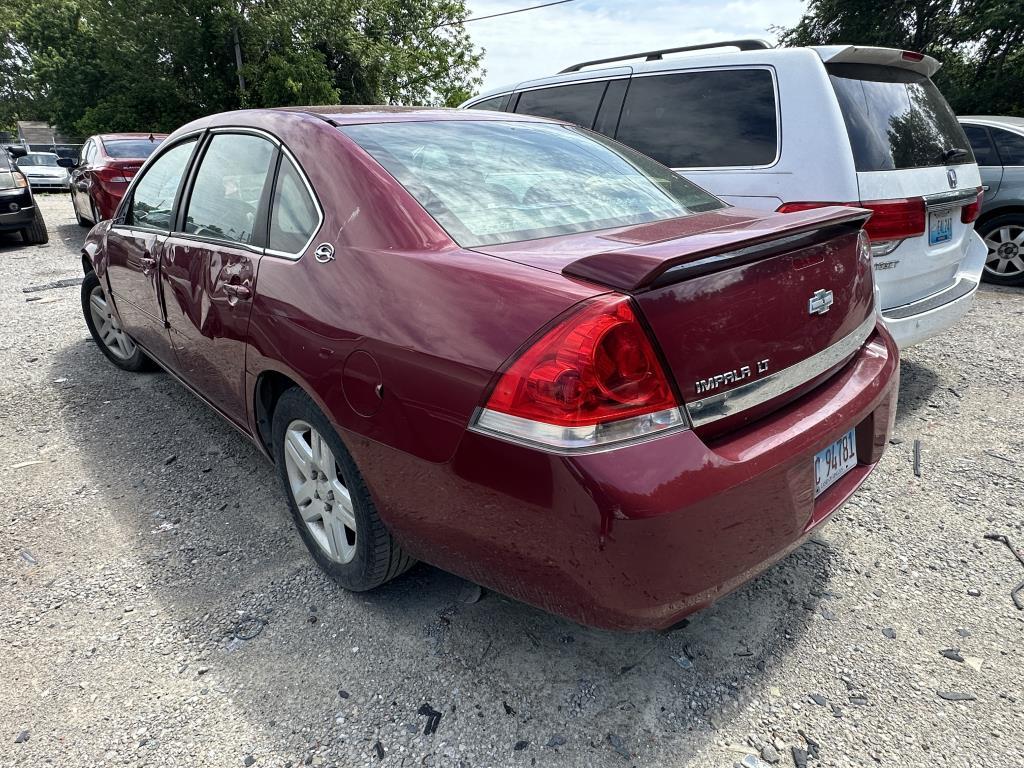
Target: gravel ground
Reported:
[(159, 610)]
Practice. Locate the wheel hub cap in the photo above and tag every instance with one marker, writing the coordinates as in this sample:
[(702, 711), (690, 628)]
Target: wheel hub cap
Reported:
[(319, 491), (1005, 251), (107, 326)]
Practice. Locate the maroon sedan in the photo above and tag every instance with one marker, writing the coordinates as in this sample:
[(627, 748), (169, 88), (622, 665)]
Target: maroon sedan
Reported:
[(506, 346), (105, 167)]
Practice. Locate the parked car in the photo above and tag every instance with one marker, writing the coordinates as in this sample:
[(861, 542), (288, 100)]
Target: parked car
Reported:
[(998, 144), (43, 171), (506, 346), (107, 164), (18, 210), (794, 128)]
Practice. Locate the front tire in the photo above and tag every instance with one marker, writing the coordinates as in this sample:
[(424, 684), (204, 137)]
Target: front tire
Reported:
[(35, 233), (1004, 238), (328, 498), (106, 331)]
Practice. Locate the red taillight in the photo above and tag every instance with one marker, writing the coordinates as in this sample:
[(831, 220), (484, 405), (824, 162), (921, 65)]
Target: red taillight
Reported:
[(794, 207), (111, 173), (971, 211), (592, 379), (912, 56), (894, 219)]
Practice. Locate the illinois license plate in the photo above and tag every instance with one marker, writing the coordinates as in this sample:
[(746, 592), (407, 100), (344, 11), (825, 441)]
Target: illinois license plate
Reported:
[(940, 226), (833, 462)]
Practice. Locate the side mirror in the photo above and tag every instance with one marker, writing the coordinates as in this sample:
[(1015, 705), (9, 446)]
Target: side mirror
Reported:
[(66, 162), (15, 150)]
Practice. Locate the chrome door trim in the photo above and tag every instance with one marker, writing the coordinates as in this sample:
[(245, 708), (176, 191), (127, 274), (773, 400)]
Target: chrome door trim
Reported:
[(722, 404)]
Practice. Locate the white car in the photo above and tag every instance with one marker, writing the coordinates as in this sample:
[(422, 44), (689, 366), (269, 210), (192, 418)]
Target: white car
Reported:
[(790, 128), (43, 172)]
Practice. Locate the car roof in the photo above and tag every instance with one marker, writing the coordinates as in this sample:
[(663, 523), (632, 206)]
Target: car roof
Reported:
[(350, 114), (1008, 121), (139, 135)]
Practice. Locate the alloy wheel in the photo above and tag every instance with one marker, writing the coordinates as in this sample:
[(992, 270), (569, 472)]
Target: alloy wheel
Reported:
[(319, 491), (1005, 251), (107, 326)]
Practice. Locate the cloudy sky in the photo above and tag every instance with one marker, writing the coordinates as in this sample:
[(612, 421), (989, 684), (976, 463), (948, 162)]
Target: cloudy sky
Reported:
[(543, 41)]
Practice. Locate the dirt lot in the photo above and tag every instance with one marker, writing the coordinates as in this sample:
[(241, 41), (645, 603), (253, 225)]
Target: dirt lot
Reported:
[(144, 540)]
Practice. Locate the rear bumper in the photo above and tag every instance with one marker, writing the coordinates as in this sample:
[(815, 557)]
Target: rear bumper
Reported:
[(912, 323), (637, 537)]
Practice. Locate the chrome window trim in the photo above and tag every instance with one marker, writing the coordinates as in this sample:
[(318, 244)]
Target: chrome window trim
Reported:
[(722, 404), (316, 202), (725, 67), (948, 199)]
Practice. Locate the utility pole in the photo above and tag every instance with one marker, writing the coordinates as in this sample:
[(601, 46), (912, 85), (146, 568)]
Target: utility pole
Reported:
[(238, 60)]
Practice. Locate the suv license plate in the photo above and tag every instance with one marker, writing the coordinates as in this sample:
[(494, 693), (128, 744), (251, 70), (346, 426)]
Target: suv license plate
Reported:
[(834, 461), (940, 226)]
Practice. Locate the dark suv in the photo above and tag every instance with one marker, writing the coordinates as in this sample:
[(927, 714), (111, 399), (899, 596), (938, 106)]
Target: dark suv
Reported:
[(18, 210)]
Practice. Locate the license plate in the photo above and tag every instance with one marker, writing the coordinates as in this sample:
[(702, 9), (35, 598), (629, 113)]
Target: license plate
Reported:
[(833, 462), (940, 226)]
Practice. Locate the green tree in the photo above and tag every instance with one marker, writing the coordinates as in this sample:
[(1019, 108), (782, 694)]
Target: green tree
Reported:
[(979, 42)]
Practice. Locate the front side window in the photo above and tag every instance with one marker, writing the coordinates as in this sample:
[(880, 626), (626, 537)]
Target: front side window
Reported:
[(225, 197), (1010, 146), (293, 214), (152, 200), (497, 103), (712, 119), (981, 145), (499, 182), (896, 118), (572, 103)]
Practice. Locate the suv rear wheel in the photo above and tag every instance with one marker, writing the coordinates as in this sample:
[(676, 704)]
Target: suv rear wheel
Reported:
[(1004, 238)]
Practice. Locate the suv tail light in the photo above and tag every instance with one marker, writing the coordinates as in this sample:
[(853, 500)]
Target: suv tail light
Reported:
[(971, 211), (912, 56), (891, 222), (590, 381)]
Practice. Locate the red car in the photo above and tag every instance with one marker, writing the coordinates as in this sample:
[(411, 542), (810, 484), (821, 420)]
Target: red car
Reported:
[(105, 167), (506, 346)]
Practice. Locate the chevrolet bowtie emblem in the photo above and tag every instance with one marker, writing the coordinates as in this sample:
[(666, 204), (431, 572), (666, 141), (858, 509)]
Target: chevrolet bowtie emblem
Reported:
[(820, 302)]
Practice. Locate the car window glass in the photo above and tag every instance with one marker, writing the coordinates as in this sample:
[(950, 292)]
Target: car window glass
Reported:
[(895, 118), (702, 119), (497, 103), (226, 194), (293, 216), (981, 144), (87, 153), (493, 182), (572, 103), (131, 149), (153, 198), (1010, 146)]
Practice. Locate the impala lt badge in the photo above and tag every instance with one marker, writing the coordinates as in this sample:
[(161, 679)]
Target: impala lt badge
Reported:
[(729, 377), (820, 302)]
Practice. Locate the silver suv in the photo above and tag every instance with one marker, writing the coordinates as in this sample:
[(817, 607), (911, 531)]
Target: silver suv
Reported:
[(998, 144)]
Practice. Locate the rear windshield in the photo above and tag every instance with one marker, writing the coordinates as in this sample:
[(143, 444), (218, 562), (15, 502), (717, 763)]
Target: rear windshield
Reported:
[(38, 160), (130, 148), (500, 182), (896, 118)]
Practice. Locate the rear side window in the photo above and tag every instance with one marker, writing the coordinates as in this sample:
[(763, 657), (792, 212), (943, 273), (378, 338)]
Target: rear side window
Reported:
[(711, 119), (895, 118), (496, 104), (981, 145), (226, 194), (153, 198), (1010, 146), (573, 103), (293, 216)]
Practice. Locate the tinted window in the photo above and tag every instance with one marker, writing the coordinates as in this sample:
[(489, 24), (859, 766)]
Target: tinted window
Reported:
[(702, 119), (499, 182), (88, 152), (497, 103), (572, 103), (154, 193), (293, 217), (981, 145), (1010, 146), (225, 197), (130, 148), (895, 118)]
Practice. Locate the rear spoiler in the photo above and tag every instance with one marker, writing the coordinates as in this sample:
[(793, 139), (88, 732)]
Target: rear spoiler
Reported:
[(649, 266), (887, 57)]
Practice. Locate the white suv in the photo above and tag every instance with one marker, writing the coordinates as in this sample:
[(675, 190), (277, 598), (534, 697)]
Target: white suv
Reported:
[(791, 128)]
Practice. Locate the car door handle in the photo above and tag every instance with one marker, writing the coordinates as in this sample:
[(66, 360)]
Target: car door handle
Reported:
[(237, 291), (148, 264)]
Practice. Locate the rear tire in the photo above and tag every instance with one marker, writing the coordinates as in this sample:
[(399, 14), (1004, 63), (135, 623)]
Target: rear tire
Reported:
[(117, 345), (1004, 238), (35, 233), (328, 499)]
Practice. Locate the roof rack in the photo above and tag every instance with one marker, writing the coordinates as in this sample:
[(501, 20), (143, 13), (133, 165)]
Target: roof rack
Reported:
[(743, 45)]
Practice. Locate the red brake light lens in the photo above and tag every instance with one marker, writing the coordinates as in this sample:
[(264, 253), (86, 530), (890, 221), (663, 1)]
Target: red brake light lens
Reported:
[(592, 379), (912, 56), (111, 173), (794, 207), (971, 211), (895, 219)]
